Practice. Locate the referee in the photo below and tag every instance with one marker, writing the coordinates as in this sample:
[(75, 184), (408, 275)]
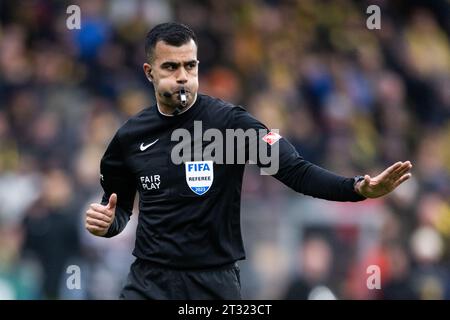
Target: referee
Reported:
[(188, 237)]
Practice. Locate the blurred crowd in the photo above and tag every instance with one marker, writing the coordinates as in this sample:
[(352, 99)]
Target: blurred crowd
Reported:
[(350, 99)]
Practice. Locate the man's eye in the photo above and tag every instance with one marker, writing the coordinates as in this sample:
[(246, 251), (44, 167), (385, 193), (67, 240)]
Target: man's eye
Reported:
[(169, 67), (191, 66)]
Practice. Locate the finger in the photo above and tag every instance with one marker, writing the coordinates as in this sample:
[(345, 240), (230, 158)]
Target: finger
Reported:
[(94, 229), (97, 232), (112, 201), (390, 170), (98, 223), (97, 215), (401, 171), (406, 164), (366, 181), (394, 167), (392, 175), (99, 208), (402, 179), (364, 184)]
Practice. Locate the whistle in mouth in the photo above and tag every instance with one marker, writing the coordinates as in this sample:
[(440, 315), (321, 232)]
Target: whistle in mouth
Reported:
[(183, 97)]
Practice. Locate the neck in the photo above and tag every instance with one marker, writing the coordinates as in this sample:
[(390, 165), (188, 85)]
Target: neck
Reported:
[(168, 111)]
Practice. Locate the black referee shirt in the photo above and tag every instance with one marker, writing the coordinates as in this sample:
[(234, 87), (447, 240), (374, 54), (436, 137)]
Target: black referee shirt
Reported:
[(198, 227)]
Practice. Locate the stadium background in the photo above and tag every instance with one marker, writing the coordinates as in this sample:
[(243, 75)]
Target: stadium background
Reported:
[(350, 99)]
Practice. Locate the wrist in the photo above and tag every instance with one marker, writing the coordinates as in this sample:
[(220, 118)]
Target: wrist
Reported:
[(356, 183)]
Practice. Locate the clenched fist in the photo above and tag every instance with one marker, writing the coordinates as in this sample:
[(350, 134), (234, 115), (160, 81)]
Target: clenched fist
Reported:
[(99, 217)]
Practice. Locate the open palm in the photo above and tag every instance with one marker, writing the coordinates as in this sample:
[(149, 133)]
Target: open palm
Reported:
[(386, 181)]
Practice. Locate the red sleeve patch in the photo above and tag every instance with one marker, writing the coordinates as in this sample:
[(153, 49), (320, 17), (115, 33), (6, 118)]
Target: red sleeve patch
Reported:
[(271, 137)]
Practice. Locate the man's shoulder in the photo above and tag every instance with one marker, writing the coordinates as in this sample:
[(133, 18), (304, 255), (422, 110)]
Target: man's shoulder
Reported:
[(230, 115), (136, 121), (219, 106)]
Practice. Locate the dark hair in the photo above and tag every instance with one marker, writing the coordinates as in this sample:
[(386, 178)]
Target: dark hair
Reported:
[(172, 33)]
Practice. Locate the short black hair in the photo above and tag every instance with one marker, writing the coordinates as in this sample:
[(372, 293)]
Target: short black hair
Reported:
[(172, 33)]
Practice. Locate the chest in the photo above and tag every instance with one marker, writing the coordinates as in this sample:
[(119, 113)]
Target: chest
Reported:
[(161, 173)]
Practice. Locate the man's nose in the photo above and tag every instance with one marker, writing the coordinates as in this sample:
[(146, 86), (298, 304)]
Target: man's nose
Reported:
[(182, 76)]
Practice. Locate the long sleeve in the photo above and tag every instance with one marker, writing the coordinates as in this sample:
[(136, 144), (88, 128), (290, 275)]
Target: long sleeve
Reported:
[(309, 179), (294, 171), (115, 177)]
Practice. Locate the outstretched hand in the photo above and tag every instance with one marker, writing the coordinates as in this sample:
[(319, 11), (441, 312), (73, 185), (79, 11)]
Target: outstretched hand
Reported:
[(385, 182)]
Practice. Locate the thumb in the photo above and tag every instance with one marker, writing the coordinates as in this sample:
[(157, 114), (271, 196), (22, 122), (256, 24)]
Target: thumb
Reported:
[(366, 181), (112, 201)]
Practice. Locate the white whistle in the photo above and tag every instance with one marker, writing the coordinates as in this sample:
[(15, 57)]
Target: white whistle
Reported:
[(183, 98)]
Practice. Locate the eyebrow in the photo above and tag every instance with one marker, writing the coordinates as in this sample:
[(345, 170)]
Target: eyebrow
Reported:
[(177, 64)]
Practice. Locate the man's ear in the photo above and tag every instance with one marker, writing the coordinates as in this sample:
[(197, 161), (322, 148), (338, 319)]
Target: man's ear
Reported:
[(148, 71)]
